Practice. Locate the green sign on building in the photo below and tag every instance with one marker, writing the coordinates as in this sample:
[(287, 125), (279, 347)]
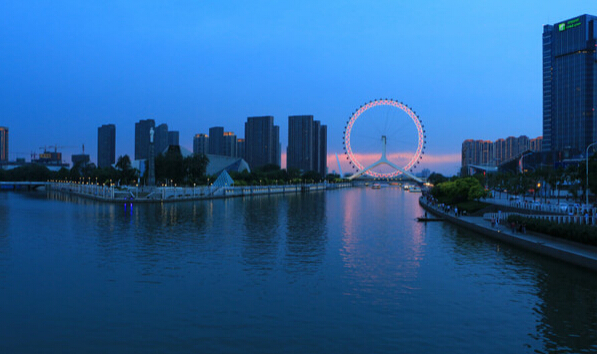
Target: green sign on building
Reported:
[(568, 25)]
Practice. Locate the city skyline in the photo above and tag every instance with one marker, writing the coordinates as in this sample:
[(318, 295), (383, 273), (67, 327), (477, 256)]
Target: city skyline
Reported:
[(73, 67)]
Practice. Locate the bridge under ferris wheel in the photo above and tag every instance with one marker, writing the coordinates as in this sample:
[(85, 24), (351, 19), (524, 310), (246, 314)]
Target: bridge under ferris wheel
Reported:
[(383, 160)]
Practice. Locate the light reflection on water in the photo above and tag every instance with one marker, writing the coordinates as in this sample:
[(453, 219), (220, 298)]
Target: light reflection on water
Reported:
[(347, 270)]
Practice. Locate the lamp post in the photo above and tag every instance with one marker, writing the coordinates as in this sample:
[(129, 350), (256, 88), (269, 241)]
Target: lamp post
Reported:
[(587, 171)]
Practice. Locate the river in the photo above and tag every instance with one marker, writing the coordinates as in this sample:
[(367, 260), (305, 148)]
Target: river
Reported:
[(342, 271)]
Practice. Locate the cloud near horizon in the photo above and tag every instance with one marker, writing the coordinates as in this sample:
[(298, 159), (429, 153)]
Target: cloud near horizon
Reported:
[(445, 164)]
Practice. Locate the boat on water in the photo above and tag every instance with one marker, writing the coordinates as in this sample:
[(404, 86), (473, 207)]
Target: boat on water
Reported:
[(414, 189), (376, 186), (426, 219), (406, 187)]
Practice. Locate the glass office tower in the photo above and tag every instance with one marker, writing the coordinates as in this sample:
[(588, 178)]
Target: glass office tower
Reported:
[(569, 77)]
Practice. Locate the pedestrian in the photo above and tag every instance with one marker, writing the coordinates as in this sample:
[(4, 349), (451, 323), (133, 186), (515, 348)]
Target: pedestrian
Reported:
[(456, 211)]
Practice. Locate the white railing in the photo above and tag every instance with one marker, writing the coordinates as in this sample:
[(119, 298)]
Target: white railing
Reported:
[(585, 219), (111, 193)]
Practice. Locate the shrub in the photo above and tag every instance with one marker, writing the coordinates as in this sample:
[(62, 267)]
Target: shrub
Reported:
[(574, 232)]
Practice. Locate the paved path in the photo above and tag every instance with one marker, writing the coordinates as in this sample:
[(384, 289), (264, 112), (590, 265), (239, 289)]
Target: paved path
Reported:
[(569, 251)]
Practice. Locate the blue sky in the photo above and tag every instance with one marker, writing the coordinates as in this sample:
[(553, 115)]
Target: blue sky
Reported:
[(470, 69)]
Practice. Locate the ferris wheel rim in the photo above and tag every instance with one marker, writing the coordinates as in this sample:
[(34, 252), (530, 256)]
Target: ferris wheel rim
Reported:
[(392, 103)]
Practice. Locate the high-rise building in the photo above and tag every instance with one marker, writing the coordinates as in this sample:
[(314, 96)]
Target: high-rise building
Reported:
[(173, 137), (569, 84), (300, 151), (477, 152), (262, 143), (230, 148), (488, 153), (160, 138), (216, 140), (499, 151), (536, 145), (142, 138), (320, 148), (277, 147), (106, 145), (307, 144), (201, 144), (3, 144), (323, 150), (240, 147), (80, 158)]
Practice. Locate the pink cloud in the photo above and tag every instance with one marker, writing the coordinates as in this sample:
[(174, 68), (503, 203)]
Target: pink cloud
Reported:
[(446, 164)]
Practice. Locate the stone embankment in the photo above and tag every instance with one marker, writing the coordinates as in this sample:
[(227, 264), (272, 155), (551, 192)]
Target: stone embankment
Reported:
[(568, 251), (113, 194)]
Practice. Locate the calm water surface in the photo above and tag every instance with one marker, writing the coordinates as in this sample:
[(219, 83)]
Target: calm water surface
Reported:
[(347, 271)]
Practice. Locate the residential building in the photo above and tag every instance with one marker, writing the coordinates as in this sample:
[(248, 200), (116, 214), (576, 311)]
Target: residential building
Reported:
[(106, 145), (307, 144), (216, 140), (262, 142), (142, 138), (536, 145), (229, 142), (160, 138), (80, 158), (240, 147), (173, 137), (201, 144), (3, 144)]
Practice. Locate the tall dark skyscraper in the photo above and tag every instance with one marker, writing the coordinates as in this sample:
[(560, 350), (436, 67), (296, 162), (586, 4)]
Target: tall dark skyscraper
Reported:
[(201, 144), (230, 146), (240, 148), (106, 145), (262, 142), (160, 138), (142, 138), (307, 144), (300, 143), (569, 79), (216, 140), (173, 137), (3, 144), (323, 150)]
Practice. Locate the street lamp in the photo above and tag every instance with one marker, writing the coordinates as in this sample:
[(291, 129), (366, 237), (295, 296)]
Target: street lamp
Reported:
[(587, 170)]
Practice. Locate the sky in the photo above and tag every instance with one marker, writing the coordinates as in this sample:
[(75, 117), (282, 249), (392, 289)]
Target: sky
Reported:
[(470, 69)]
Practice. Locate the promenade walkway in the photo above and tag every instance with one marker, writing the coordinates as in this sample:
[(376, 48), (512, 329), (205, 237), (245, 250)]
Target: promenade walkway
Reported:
[(568, 251)]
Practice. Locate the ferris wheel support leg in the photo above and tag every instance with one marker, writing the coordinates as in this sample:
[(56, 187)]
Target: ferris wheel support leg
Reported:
[(405, 172), (360, 173)]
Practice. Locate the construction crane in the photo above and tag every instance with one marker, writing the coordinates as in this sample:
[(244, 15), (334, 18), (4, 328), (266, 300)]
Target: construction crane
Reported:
[(56, 147)]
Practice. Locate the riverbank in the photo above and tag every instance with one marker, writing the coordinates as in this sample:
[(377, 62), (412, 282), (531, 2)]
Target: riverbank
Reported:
[(112, 194), (567, 251)]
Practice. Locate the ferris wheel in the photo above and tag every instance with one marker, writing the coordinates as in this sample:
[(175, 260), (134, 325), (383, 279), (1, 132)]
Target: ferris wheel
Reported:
[(391, 126)]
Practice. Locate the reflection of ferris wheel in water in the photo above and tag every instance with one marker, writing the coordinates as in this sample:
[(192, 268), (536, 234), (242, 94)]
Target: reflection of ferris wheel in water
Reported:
[(395, 128)]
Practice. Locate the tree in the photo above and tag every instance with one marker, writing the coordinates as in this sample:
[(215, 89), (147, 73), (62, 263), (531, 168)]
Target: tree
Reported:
[(459, 190), (127, 173), (169, 167), (195, 167), (436, 178), (311, 176), (333, 178)]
